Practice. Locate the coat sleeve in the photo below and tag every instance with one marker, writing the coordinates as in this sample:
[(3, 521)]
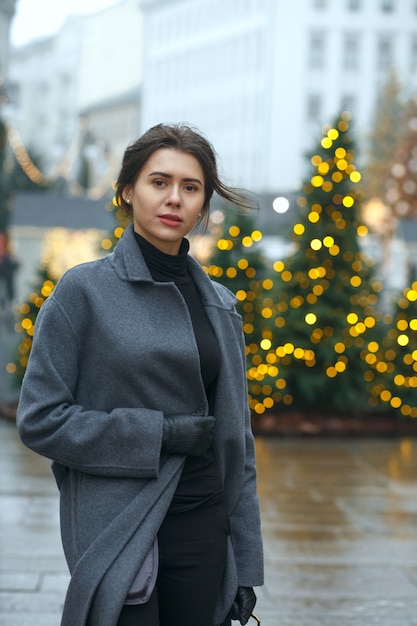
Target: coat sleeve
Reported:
[(245, 521), (245, 528), (125, 442), (244, 515)]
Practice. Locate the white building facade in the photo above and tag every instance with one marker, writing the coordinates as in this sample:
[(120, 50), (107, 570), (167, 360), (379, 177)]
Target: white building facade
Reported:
[(208, 63), (46, 92), (81, 88), (7, 9), (261, 77)]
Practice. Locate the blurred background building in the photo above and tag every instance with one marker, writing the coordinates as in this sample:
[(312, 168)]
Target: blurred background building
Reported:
[(7, 9), (259, 77), (76, 97)]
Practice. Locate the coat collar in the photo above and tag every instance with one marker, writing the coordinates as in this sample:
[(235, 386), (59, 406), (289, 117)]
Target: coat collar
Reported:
[(127, 259), (129, 264)]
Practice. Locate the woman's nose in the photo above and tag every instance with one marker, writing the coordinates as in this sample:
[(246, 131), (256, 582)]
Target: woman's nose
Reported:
[(174, 196)]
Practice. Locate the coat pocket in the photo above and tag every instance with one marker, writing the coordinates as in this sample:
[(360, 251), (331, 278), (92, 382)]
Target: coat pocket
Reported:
[(145, 579)]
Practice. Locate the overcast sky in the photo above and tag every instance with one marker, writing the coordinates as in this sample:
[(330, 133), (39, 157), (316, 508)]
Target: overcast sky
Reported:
[(39, 18)]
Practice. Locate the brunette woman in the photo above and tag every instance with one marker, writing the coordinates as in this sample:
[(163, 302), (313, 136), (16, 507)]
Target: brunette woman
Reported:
[(136, 389)]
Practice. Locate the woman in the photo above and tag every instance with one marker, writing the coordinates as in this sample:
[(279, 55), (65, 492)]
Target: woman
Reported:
[(135, 388)]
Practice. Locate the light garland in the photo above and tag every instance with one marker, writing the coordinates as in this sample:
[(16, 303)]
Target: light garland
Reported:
[(63, 167), (23, 158)]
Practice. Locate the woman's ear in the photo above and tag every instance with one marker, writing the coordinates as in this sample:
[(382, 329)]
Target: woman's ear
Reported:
[(126, 195)]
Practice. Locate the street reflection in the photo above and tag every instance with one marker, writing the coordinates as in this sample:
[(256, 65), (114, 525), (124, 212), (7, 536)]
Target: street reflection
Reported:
[(340, 527)]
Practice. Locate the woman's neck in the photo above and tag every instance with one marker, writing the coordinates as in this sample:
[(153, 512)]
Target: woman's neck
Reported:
[(163, 265)]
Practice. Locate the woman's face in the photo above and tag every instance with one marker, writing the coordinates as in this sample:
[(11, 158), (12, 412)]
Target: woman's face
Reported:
[(167, 198)]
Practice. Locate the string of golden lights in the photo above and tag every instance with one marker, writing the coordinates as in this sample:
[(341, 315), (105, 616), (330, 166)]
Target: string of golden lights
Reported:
[(63, 167)]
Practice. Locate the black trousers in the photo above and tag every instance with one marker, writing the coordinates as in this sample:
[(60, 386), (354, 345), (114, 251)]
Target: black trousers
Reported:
[(192, 557)]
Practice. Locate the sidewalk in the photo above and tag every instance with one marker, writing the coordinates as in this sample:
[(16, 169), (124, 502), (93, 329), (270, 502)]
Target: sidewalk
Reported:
[(339, 523)]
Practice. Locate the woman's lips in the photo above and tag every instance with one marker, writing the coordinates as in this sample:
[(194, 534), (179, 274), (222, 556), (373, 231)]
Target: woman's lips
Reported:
[(170, 220)]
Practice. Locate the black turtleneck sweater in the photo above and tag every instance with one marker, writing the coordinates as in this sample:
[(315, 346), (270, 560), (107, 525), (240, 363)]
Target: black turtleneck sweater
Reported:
[(199, 484)]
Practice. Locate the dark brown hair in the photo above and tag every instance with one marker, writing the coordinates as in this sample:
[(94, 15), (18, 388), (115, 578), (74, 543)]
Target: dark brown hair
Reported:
[(186, 139)]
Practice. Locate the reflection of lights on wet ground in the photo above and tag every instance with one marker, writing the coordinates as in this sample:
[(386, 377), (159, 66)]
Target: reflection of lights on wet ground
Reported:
[(280, 205)]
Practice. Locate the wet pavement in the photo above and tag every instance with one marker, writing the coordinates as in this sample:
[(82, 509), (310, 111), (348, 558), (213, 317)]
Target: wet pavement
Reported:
[(340, 530), (339, 522)]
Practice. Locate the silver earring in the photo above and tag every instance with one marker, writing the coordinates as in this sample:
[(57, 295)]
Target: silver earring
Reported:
[(128, 200)]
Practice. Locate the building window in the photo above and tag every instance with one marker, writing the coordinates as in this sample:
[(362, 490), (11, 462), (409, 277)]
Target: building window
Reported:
[(313, 107), (351, 51), (385, 53), (349, 104), (317, 50), (354, 5), (387, 6)]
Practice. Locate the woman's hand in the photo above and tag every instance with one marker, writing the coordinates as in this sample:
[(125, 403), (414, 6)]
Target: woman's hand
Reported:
[(243, 605), (189, 435)]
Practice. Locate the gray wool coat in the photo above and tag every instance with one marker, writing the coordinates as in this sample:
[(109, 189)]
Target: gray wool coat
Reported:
[(112, 352)]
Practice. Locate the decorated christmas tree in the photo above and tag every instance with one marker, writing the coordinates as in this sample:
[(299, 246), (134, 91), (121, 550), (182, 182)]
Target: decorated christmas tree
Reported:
[(27, 313), (324, 294), (63, 250), (238, 263), (381, 207), (392, 360), (387, 129), (401, 194)]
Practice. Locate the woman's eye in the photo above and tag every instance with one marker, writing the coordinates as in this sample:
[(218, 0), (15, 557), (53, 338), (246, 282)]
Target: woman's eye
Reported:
[(159, 183), (191, 188)]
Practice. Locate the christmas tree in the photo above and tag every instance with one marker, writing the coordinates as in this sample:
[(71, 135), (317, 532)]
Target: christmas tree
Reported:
[(325, 295), (238, 263), (401, 194), (27, 313), (52, 266), (379, 177), (388, 128), (393, 359)]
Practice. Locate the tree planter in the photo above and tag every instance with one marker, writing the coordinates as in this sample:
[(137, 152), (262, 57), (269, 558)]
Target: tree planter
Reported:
[(318, 425)]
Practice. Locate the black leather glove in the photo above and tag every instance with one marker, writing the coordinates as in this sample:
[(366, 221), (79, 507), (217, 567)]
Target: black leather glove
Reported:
[(190, 435), (243, 605)]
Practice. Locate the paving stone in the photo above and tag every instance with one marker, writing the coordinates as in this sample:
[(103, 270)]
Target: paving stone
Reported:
[(29, 619), (34, 604), (55, 581), (18, 581)]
